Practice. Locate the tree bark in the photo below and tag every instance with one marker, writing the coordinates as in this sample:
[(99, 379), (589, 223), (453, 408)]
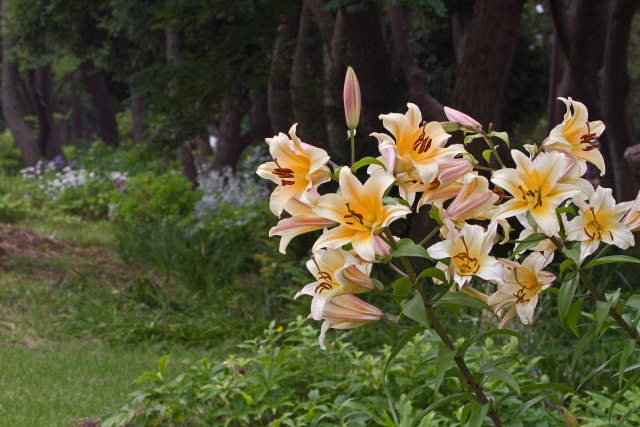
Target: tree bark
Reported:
[(185, 155), (231, 143), (139, 112), (94, 80), (371, 63), (332, 29), (11, 104), (40, 82), (615, 87), (307, 106), (430, 107), (486, 52), (278, 95)]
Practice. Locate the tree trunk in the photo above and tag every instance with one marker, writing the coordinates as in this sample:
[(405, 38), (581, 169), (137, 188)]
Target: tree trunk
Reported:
[(94, 80), (307, 107), (231, 143), (485, 59), (278, 96), (41, 81), (139, 112), (371, 63), (486, 51), (11, 104), (615, 87), (332, 29), (185, 155), (430, 107)]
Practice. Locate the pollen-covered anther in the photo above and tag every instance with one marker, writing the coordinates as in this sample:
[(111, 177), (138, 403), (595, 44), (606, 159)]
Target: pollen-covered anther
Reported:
[(421, 145), (589, 138), (323, 286), (353, 214), (284, 174), (434, 184), (500, 194)]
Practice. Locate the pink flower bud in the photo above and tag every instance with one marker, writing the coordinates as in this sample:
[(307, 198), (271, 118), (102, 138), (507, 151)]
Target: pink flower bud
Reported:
[(462, 118), (352, 99)]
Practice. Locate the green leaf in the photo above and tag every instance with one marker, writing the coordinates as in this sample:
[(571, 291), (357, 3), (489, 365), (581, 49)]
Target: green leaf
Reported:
[(628, 414), (414, 309), (528, 404), (633, 301), (388, 200), (365, 162), (502, 375), (434, 213), (465, 414), (562, 388), (406, 247), (450, 126), (478, 414), (401, 287), (162, 364), (443, 401), (611, 258), (629, 345), (582, 344), (566, 209), (566, 264), (598, 369), (565, 296), (602, 310), (529, 242), (532, 222), (632, 381), (445, 356), (572, 317), (460, 298), (403, 341), (471, 340), (378, 284), (501, 135), (435, 273), (487, 156)]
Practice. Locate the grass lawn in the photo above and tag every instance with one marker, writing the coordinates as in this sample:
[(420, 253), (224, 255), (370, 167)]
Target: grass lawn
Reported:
[(53, 372)]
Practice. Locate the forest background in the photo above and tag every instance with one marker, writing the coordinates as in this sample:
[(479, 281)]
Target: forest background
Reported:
[(103, 101)]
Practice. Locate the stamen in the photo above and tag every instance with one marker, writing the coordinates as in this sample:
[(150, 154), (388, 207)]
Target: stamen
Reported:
[(283, 174), (421, 144), (353, 214), (500, 194), (589, 138)]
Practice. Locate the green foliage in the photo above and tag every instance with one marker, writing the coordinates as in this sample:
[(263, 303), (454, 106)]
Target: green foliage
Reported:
[(13, 209), (151, 199), (10, 157), (283, 378)]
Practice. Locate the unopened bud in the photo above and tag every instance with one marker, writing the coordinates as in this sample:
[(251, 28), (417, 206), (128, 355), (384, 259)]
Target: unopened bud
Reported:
[(352, 99), (462, 118)]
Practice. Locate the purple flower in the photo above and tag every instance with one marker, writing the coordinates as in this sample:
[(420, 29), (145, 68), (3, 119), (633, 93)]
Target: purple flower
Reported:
[(119, 183)]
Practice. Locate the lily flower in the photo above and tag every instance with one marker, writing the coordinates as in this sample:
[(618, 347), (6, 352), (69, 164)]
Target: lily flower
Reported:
[(632, 218), (296, 167), (344, 312), (419, 145), (473, 201), (577, 137), (520, 287), (599, 221), (359, 212), (352, 99), (451, 177), (302, 220), (468, 253), (535, 188), (337, 272)]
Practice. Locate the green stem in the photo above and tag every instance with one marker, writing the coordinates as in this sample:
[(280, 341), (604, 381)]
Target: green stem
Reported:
[(631, 331), (444, 336), (493, 150), (352, 135), (429, 236)]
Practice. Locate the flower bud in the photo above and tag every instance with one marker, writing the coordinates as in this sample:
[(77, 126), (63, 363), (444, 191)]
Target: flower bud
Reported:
[(352, 99), (460, 117)]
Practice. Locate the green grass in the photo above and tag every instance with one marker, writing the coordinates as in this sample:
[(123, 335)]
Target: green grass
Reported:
[(65, 312), (56, 383)]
